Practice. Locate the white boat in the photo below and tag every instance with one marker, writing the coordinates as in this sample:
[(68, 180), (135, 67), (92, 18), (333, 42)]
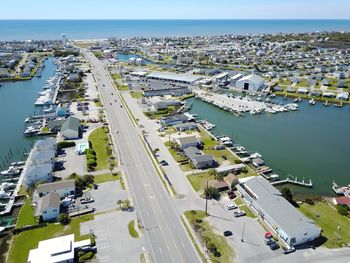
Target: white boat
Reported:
[(312, 102), (49, 110), (4, 195), (12, 170)]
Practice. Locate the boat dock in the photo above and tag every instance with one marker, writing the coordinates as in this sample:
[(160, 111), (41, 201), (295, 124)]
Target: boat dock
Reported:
[(293, 181)]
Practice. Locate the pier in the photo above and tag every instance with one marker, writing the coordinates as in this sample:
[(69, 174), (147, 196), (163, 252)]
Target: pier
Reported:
[(293, 181)]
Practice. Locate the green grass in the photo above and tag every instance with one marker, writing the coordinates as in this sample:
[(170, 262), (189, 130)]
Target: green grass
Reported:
[(222, 156), (238, 201), (247, 211), (132, 231), (45, 130), (26, 215), (328, 219), (199, 181), (197, 221), (99, 140), (208, 141), (103, 178), (122, 87), (27, 240), (136, 94)]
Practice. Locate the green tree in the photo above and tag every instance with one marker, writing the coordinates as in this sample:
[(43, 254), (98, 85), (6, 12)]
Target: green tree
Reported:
[(211, 193), (287, 194)]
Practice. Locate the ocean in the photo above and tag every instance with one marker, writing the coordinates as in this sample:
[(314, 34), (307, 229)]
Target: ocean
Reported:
[(101, 29)]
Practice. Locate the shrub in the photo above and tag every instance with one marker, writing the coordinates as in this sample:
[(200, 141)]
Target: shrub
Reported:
[(64, 219), (86, 256), (90, 151), (91, 157), (309, 201), (342, 210), (65, 144), (91, 162), (211, 193)]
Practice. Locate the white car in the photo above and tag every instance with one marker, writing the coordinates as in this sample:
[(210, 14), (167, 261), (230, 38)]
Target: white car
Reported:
[(231, 206), (116, 130)]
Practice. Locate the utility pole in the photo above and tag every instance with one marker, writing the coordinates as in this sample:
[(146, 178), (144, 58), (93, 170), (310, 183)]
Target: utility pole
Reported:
[(206, 200), (242, 240)]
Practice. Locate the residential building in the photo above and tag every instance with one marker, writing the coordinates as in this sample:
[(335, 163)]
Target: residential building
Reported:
[(64, 188), (48, 207), (187, 141), (198, 159), (71, 128), (288, 223)]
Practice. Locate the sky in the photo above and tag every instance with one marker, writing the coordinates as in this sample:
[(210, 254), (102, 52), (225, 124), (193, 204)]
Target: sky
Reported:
[(175, 9)]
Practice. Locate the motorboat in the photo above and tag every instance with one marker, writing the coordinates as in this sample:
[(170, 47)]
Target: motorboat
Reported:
[(12, 170), (312, 102)]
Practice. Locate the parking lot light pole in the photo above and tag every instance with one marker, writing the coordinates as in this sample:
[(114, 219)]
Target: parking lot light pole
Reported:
[(242, 240)]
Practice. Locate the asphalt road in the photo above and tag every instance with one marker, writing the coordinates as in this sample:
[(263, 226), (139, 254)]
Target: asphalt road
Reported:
[(165, 236)]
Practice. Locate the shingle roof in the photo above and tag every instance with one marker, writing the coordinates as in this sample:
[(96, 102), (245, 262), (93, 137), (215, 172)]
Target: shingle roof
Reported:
[(49, 200), (71, 123), (55, 186)]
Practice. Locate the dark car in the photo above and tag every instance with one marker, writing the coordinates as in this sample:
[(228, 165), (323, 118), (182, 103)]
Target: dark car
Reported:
[(227, 233), (269, 241), (164, 163), (95, 186), (274, 246)]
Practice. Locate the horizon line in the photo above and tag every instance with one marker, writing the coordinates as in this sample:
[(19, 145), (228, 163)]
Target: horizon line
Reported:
[(155, 19)]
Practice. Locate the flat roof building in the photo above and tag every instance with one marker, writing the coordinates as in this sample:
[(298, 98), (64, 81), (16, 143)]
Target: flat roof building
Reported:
[(169, 76), (289, 224)]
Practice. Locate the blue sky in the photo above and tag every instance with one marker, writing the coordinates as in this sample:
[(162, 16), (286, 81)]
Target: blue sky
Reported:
[(174, 9)]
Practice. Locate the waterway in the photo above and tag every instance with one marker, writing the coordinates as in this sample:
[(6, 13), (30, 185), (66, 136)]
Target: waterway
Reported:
[(16, 103), (312, 143)]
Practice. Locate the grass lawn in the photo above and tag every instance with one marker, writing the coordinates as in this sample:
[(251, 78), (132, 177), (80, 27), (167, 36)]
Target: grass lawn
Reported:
[(103, 178), (27, 240), (99, 141), (247, 211), (122, 87), (206, 233), (208, 141), (26, 215), (328, 219), (222, 155), (136, 94), (199, 181), (132, 230)]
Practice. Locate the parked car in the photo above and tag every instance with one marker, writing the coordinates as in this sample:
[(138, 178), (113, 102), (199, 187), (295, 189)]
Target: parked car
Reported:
[(287, 250), (116, 130), (164, 163), (231, 206), (86, 200), (269, 241), (228, 233), (274, 246), (239, 213)]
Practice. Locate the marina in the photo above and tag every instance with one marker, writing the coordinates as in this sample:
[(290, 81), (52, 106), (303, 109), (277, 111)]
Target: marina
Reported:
[(292, 144)]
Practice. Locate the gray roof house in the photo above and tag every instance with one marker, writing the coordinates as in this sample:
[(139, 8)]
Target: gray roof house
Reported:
[(64, 188), (71, 128), (198, 159), (48, 207)]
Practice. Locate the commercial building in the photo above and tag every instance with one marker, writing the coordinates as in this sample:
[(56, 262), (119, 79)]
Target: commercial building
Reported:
[(288, 223), (251, 83), (63, 188), (56, 250), (169, 76), (174, 91)]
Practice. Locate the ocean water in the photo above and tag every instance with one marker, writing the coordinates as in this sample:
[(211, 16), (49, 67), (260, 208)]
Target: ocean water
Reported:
[(99, 29)]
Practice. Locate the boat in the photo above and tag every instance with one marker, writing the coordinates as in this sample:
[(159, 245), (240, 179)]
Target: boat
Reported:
[(31, 131), (341, 190), (49, 110), (12, 170), (4, 195), (312, 102)]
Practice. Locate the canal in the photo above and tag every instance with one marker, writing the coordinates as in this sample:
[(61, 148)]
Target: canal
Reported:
[(16, 103), (312, 143)]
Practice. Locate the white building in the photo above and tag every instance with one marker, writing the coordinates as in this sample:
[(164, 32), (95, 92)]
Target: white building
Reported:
[(64, 188), (40, 162), (287, 222), (56, 250), (71, 128), (48, 207), (251, 83)]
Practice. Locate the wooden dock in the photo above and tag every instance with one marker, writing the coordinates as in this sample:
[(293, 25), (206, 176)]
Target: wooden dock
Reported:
[(293, 181)]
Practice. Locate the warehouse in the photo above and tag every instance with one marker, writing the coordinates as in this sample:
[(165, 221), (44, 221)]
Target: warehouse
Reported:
[(251, 83), (288, 223), (168, 76)]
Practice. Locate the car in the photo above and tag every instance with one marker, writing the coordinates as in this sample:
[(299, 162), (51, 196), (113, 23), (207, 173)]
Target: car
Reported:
[(112, 93), (86, 200), (228, 233), (269, 241), (274, 246), (116, 130), (110, 103), (103, 85), (121, 106), (95, 186), (239, 213), (231, 206), (164, 163), (287, 250)]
